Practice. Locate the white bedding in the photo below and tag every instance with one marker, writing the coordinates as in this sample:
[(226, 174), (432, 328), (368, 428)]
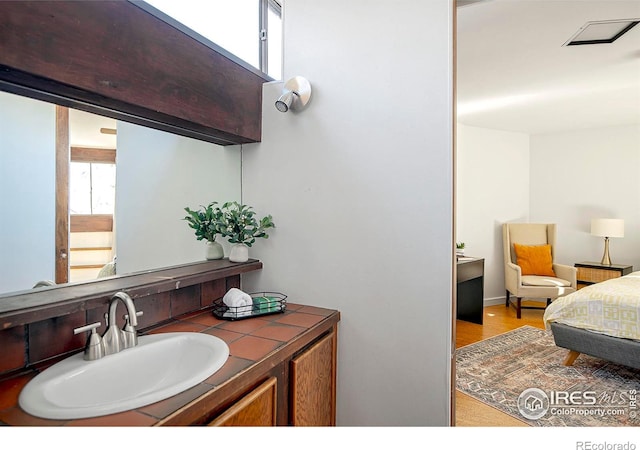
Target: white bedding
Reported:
[(611, 307)]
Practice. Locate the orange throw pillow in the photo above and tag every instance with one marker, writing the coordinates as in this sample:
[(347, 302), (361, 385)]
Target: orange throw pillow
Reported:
[(534, 259)]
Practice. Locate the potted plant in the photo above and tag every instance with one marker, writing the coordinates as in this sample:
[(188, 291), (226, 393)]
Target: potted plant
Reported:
[(206, 221), (238, 223), (460, 248)]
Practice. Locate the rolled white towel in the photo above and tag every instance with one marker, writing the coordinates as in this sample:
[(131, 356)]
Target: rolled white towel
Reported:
[(238, 301)]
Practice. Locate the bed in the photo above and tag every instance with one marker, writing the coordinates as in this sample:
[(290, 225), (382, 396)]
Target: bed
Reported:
[(601, 320)]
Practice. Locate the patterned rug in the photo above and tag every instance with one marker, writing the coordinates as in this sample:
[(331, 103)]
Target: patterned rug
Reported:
[(521, 373)]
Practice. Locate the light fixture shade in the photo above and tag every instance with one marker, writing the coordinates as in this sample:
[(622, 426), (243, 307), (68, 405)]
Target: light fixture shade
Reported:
[(284, 102), (607, 227)]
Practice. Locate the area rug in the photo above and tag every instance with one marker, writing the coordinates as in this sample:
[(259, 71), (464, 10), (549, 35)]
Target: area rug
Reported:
[(522, 374)]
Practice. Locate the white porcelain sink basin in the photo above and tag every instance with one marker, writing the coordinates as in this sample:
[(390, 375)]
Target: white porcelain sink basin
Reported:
[(160, 366)]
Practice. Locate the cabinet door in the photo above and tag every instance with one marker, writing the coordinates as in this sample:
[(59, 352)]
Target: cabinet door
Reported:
[(313, 385), (257, 408)]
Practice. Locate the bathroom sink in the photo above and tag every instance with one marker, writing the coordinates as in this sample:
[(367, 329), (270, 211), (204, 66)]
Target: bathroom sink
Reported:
[(160, 366)]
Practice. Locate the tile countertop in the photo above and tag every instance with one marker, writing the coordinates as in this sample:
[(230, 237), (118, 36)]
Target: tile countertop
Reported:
[(250, 341)]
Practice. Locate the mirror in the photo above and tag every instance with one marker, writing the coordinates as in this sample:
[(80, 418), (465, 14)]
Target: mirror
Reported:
[(157, 175)]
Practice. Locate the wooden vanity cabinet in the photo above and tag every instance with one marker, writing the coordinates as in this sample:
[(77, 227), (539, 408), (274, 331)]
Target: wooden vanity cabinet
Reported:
[(307, 396), (256, 408), (313, 385)]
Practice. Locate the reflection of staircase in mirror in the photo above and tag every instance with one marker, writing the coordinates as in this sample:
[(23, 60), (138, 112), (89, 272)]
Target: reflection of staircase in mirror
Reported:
[(90, 245)]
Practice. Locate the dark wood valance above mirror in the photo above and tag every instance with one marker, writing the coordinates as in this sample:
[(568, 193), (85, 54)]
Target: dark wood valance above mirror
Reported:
[(116, 59)]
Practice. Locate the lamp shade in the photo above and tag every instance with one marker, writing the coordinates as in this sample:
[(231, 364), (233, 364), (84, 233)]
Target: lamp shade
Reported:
[(607, 227)]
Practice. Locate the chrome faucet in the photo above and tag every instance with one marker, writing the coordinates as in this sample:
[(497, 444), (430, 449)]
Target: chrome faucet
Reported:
[(116, 339)]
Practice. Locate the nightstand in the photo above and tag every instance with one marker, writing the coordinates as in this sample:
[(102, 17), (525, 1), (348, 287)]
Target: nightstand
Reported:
[(470, 289), (593, 272)]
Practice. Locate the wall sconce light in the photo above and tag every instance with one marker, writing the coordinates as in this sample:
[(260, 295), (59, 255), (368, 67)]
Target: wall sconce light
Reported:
[(296, 95), (607, 228)]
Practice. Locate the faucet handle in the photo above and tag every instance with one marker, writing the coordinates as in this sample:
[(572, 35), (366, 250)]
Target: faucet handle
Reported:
[(138, 314), (89, 327), (129, 332), (94, 348)]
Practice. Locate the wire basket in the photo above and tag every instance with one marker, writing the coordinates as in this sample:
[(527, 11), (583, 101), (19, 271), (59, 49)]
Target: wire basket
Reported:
[(264, 303)]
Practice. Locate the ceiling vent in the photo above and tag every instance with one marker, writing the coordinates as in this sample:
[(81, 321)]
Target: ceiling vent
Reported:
[(601, 32)]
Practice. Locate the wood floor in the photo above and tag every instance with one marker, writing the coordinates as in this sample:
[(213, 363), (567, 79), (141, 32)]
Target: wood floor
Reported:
[(497, 319)]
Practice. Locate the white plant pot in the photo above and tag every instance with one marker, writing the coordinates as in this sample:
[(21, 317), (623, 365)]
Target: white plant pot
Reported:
[(214, 250), (239, 253)]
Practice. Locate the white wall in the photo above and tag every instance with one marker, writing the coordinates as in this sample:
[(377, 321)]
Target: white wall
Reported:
[(158, 175), (564, 178), (580, 175), (492, 188), (27, 192), (360, 188)]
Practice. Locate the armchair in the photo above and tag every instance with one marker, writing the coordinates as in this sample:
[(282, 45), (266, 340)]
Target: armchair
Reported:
[(549, 285)]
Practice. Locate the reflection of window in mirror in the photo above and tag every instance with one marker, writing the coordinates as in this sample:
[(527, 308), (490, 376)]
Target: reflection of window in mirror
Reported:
[(249, 29), (92, 188)]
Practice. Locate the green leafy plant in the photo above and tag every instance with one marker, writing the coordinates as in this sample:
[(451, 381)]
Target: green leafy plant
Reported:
[(460, 245), (239, 224), (205, 221)]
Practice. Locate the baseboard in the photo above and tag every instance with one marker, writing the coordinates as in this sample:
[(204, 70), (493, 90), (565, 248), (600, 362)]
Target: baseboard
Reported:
[(494, 301)]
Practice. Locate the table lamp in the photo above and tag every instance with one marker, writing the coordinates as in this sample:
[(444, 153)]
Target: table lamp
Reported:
[(607, 228)]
